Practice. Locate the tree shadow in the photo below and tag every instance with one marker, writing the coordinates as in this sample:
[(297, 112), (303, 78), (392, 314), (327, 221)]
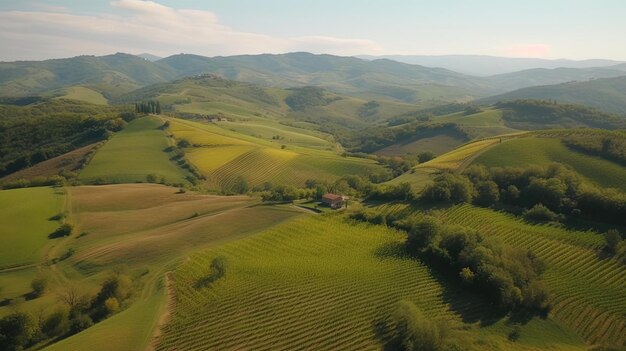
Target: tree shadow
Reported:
[(7, 301), (470, 305)]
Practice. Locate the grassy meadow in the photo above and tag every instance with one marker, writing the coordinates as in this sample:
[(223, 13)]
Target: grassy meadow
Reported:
[(132, 154), (84, 94), (26, 215)]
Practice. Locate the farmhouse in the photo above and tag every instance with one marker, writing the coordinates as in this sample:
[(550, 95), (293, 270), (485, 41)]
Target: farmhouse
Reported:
[(333, 200)]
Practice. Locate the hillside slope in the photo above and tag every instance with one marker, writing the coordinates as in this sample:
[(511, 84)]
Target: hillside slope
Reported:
[(607, 94)]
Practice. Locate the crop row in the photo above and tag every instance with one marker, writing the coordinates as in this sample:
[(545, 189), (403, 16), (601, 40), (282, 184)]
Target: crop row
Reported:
[(314, 284), (588, 291)]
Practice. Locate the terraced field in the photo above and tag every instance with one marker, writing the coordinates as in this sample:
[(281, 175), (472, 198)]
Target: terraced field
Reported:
[(311, 284), (479, 125), (541, 151), (323, 283), (134, 153), (588, 292), (460, 157), (222, 155)]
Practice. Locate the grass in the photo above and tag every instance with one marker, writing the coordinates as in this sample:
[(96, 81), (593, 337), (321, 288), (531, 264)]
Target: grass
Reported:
[(25, 216), (84, 94), (588, 292), (134, 153), (524, 152)]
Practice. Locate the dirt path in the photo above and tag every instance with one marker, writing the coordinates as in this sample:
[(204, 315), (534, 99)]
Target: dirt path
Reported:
[(164, 318)]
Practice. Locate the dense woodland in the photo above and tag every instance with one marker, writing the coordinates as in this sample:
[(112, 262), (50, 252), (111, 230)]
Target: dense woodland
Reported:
[(34, 133)]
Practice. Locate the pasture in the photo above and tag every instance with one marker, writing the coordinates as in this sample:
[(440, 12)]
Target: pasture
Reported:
[(26, 215), (84, 94), (130, 155)]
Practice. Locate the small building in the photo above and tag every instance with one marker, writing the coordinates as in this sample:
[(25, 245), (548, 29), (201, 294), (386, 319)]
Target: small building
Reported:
[(333, 200)]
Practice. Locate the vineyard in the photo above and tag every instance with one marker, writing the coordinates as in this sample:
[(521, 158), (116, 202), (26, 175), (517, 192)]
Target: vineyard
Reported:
[(541, 151), (312, 284), (323, 283), (588, 291), (222, 155)]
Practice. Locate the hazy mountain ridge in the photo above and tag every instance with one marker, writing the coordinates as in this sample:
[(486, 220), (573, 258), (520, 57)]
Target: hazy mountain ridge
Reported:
[(608, 94), (481, 65)]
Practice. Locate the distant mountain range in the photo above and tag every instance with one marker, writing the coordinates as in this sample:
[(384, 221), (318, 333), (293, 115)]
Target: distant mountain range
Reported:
[(116, 75), (479, 65)]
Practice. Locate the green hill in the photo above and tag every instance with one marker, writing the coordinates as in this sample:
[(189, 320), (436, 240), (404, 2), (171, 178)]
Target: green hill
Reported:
[(541, 151), (111, 75), (607, 94), (133, 154), (347, 75)]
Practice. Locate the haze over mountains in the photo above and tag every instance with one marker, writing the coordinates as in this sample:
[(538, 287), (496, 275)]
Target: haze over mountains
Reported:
[(118, 74), (480, 65)]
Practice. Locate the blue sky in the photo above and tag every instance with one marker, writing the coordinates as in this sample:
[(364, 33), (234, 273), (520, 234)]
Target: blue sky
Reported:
[(572, 29)]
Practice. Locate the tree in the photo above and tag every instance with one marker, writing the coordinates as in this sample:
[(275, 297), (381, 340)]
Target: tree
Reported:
[(612, 238), (422, 233), (412, 331), (240, 185), (16, 331), (488, 193), (69, 296), (425, 156), (151, 178)]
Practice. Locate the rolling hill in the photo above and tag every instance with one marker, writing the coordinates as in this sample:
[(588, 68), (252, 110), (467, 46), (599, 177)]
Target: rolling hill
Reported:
[(111, 75), (480, 65), (607, 94)]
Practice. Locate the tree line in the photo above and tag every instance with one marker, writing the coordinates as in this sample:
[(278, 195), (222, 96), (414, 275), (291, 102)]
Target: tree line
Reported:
[(148, 107), (32, 134)]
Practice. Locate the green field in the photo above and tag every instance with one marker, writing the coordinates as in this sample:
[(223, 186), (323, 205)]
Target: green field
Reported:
[(25, 216), (479, 125), (321, 283), (84, 94), (524, 152), (222, 155), (134, 153)]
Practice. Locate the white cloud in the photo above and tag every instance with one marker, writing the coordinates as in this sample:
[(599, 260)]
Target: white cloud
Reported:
[(146, 26)]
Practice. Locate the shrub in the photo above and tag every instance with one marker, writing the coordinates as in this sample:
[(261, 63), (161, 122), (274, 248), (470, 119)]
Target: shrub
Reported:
[(412, 331), (151, 178), (612, 238), (487, 193), (112, 305), (79, 323), (540, 212), (425, 156), (64, 230), (56, 324), (39, 285)]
